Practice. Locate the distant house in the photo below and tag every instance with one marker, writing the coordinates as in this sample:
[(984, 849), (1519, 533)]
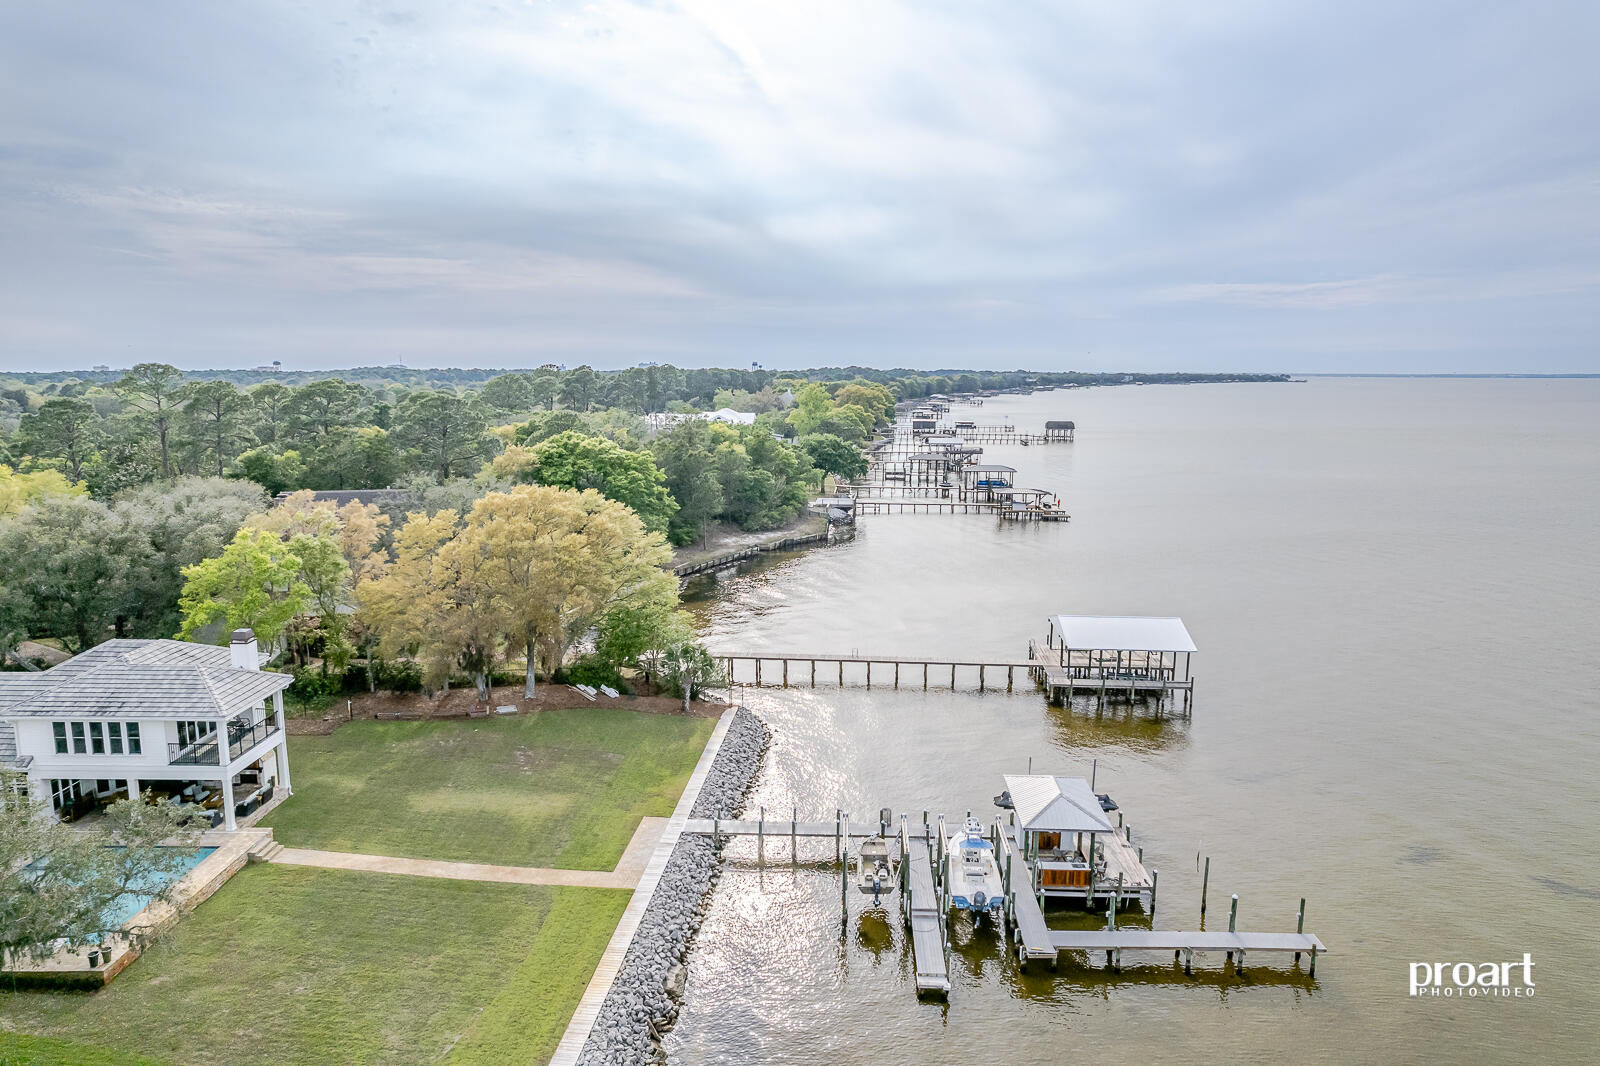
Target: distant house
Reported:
[(194, 722), (730, 416), (786, 399)]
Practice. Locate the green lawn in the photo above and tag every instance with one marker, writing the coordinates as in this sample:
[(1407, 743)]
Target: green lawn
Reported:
[(559, 788), (298, 965)]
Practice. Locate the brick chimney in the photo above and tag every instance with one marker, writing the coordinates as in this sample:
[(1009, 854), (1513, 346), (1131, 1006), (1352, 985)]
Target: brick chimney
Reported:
[(243, 650)]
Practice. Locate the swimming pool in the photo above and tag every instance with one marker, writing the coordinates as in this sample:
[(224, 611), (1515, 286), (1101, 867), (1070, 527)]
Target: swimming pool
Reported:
[(128, 904), (132, 902)]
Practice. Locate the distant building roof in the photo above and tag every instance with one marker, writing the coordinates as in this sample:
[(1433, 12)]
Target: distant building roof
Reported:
[(140, 678), (1112, 633), (1056, 804), (728, 414)]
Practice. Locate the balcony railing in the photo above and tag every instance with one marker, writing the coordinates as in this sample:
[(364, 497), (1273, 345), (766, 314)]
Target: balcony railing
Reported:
[(241, 738)]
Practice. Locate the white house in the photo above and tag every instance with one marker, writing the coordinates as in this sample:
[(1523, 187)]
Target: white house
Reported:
[(730, 416), (197, 722)]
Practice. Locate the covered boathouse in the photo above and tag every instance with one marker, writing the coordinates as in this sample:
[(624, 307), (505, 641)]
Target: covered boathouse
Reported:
[(1114, 655), (1072, 849)]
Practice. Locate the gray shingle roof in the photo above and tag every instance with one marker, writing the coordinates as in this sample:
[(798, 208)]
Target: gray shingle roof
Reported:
[(145, 678)]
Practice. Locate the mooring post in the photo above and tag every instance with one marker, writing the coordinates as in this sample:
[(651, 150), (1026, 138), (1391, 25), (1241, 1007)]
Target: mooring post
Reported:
[(1300, 924), (952, 677), (896, 675), (980, 677), (813, 673), (1233, 914), (758, 673), (1205, 879), (838, 834), (841, 673), (716, 833), (1009, 672), (924, 677), (761, 843), (786, 673), (1155, 876), (794, 819), (869, 673)]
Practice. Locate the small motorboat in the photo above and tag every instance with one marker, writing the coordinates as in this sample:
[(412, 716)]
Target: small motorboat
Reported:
[(975, 881), (875, 868), (1003, 801), (1106, 802)]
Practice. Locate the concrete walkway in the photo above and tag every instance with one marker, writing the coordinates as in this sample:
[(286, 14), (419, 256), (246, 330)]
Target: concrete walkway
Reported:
[(629, 868)]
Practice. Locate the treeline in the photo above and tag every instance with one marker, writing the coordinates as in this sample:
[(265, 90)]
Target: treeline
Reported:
[(154, 424), (453, 589)]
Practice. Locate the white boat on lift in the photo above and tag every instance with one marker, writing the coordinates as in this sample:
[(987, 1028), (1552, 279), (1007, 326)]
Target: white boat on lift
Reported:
[(975, 881), (875, 868)]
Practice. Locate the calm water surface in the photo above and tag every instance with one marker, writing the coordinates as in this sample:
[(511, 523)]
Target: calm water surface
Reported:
[(1395, 588)]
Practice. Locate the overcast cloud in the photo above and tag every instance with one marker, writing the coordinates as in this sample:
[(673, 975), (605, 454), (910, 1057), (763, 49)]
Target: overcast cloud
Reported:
[(1332, 186)]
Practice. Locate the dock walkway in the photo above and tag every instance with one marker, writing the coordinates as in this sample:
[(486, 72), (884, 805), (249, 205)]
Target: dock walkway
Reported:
[(730, 659), (922, 904), (1115, 941), (1023, 914)]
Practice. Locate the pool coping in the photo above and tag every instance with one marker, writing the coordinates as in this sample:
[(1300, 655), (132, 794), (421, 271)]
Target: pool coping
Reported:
[(610, 964)]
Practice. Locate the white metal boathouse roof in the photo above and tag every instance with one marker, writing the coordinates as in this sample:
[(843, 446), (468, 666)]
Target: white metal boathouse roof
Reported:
[(1056, 804), (1111, 633)]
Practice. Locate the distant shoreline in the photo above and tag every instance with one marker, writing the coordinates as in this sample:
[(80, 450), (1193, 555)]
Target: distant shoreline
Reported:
[(1507, 375)]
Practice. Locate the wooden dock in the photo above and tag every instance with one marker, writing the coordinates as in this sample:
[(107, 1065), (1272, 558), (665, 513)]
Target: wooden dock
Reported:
[(1125, 879), (894, 663), (878, 505), (924, 908), (1064, 682), (1024, 916), (1184, 944)]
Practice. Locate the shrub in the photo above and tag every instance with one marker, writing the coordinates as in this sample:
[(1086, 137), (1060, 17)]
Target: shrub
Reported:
[(313, 688), (594, 671)]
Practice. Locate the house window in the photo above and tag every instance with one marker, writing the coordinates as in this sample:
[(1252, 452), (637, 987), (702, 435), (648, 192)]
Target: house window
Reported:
[(60, 730), (63, 793), (97, 738), (133, 739), (78, 745), (114, 737), (190, 733)]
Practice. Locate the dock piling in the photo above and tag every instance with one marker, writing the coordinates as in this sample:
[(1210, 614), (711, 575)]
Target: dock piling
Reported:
[(1155, 876), (1233, 914), (761, 842), (1300, 923), (1205, 879)]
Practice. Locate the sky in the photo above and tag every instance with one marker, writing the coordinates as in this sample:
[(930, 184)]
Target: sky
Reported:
[(1319, 186)]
